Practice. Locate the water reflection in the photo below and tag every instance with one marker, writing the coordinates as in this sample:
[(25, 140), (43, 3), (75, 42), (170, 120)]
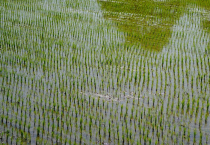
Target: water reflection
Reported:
[(149, 22)]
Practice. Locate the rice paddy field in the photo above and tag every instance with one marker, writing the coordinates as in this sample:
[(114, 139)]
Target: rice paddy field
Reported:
[(105, 72)]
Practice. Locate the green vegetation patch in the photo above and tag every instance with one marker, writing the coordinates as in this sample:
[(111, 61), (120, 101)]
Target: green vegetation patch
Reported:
[(147, 22)]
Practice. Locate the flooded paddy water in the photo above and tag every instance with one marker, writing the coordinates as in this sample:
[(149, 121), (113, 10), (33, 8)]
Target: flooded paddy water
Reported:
[(104, 72)]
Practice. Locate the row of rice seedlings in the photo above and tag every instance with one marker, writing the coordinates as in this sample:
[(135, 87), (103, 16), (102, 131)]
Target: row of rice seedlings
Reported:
[(93, 106), (127, 75), (51, 89), (7, 80)]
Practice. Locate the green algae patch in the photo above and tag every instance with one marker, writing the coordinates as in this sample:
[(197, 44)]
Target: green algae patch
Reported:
[(148, 23)]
